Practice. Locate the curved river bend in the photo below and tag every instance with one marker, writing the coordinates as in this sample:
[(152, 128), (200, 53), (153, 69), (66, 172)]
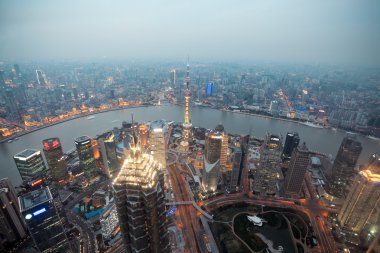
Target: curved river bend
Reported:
[(323, 140)]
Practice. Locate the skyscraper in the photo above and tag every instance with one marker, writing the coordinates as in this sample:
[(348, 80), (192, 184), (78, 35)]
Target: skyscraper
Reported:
[(30, 164), (144, 135), (212, 157), (296, 172), (344, 167), (236, 168), (12, 227), (107, 146), (291, 142), (157, 141), (43, 220), (363, 200), (187, 122), (55, 159), (173, 78), (86, 155), (140, 202)]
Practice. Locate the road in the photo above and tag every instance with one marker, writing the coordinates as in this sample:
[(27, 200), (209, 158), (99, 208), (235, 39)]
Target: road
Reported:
[(187, 216), (86, 232)]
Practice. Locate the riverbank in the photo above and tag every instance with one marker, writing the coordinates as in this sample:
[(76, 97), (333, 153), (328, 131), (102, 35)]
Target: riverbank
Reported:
[(302, 123), (65, 120)]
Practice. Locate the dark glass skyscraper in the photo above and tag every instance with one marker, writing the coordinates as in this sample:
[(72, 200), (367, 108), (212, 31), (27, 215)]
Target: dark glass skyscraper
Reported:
[(344, 167), (86, 155), (55, 159), (296, 172), (12, 227), (140, 203), (43, 221), (107, 146), (291, 142), (30, 164)]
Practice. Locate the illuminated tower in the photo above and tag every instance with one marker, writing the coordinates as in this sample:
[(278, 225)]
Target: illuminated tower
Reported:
[(187, 123), (363, 200), (140, 202), (44, 221), (86, 156), (30, 164), (55, 159)]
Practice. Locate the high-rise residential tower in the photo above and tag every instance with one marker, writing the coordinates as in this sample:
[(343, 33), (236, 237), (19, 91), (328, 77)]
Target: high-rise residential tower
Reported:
[(140, 202), (55, 159), (363, 200), (30, 164), (43, 221), (86, 155), (344, 167), (12, 227), (296, 172), (291, 142), (236, 169)]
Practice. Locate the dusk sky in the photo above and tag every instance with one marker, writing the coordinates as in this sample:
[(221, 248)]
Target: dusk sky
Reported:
[(280, 31)]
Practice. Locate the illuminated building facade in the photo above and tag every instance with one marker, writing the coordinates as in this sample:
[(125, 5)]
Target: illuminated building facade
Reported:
[(86, 155), (12, 227), (187, 122), (267, 173), (109, 221), (344, 167), (144, 135), (55, 159), (107, 147), (157, 141), (296, 173), (363, 200), (212, 158), (291, 142), (30, 164), (43, 221), (140, 202)]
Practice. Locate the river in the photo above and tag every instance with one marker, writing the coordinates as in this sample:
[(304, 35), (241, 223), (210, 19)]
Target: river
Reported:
[(322, 140)]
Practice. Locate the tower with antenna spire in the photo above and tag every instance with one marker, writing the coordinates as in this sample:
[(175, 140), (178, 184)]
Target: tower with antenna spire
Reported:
[(187, 122)]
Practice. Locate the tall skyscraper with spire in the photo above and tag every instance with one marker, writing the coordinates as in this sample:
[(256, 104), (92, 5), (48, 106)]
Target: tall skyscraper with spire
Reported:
[(140, 202), (187, 122)]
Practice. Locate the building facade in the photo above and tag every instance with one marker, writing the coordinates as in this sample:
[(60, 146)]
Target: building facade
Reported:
[(30, 164), (140, 202), (43, 221), (236, 169), (296, 173), (363, 200), (86, 155), (107, 148), (12, 226), (157, 141), (291, 142), (55, 159), (344, 167)]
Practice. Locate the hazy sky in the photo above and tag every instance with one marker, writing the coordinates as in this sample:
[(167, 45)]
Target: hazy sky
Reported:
[(305, 31)]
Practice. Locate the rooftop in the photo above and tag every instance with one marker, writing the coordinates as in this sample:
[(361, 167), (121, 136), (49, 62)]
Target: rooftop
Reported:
[(26, 154), (157, 124), (34, 198), (82, 139)]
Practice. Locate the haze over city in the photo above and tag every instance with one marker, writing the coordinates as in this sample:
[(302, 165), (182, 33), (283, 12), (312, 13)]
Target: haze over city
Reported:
[(343, 32), (189, 126)]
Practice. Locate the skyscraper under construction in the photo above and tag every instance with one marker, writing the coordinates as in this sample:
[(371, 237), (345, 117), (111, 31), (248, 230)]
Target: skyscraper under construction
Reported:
[(140, 202)]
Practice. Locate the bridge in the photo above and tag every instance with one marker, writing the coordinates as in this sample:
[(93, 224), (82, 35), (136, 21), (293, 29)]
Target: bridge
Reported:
[(206, 214)]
